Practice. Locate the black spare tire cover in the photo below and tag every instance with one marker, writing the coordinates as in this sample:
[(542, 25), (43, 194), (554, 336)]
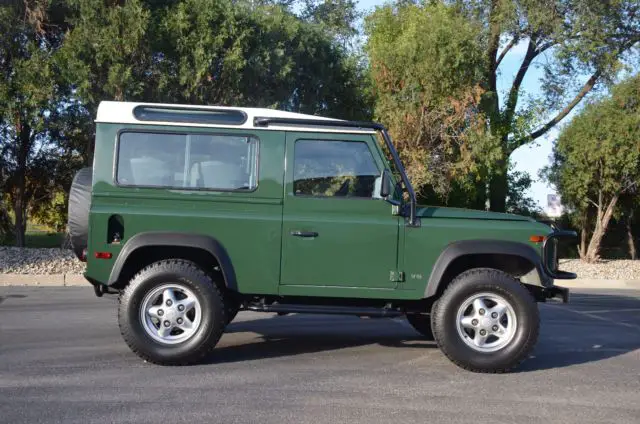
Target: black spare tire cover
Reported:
[(79, 204)]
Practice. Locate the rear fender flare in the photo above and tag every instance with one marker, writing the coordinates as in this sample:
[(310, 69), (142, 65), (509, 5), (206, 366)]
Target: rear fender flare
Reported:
[(176, 239)]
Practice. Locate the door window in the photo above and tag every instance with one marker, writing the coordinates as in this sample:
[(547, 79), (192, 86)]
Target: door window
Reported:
[(334, 169)]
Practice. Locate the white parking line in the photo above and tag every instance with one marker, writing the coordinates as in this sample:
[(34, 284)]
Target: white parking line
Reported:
[(598, 317), (604, 311)]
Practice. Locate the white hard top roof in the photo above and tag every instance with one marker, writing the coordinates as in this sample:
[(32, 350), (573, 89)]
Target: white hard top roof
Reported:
[(123, 113)]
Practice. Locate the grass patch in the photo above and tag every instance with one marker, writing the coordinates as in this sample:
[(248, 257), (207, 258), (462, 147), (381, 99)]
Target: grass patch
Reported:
[(42, 239)]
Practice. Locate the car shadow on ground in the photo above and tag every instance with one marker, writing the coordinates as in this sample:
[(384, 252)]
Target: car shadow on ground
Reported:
[(277, 336), (593, 327)]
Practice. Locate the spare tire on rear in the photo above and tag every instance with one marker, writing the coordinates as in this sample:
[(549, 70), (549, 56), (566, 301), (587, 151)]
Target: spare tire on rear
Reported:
[(79, 204)]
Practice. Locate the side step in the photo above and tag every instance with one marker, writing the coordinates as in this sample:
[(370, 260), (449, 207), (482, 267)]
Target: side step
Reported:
[(325, 310)]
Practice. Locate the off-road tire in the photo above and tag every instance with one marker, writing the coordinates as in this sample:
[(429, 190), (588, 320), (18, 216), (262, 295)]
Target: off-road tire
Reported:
[(78, 212), (197, 347), (444, 325), (422, 324)]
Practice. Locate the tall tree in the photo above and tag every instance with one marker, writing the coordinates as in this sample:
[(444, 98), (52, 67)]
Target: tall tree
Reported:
[(210, 52), (338, 17), (578, 43), (596, 161), (428, 94), (29, 91)]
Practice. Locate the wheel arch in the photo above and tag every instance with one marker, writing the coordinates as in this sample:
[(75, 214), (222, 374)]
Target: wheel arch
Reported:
[(152, 246), (517, 259)]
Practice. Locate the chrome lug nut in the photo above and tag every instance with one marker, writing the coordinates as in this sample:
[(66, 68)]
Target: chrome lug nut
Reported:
[(167, 323), (481, 311), (181, 308), (169, 302), (494, 328), (483, 332), (494, 315), (474, 321), (179, 320), (160, 312)]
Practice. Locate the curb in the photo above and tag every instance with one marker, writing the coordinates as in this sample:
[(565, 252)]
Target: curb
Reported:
[(71, 280), (592, 283), (43, 280)]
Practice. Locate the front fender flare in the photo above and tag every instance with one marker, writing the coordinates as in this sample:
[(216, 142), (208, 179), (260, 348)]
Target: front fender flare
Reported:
[(176, 239), (481, 247)]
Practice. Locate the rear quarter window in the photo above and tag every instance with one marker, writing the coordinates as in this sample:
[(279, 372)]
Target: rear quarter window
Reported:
[(187, 161)]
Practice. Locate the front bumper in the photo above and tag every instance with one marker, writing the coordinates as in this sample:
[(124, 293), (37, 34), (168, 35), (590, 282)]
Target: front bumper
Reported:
[(550, 266), (550, 254), (555, 292)]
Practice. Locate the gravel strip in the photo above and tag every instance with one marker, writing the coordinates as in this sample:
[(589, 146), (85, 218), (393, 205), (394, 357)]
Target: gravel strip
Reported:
[(619, 269), (16, 260)]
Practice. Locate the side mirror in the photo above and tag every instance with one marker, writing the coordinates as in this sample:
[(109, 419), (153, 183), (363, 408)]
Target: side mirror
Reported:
[(385, 184)]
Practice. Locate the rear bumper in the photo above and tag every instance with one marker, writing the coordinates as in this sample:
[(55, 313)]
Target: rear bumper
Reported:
[(99, 288)]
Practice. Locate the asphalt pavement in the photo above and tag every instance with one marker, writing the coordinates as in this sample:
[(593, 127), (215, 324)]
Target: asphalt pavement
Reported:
[(62, 360)]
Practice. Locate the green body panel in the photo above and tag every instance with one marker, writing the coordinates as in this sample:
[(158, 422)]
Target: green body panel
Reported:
[(362, 249), (247, 224), (443, 226), (456, 213), (357, 243)]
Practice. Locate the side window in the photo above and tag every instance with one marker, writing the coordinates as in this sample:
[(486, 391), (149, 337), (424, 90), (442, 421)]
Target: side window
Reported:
[(334, 169), (187, 161)]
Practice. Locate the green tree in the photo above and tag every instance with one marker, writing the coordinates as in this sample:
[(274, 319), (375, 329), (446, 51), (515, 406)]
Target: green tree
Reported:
[(426, 69), (210, 52), (338, 17), (568, 38), (518, 200), (29, 92), (596, 161)]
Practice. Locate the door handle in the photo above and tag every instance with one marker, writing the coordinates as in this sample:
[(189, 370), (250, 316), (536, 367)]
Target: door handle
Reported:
[(308, 234)]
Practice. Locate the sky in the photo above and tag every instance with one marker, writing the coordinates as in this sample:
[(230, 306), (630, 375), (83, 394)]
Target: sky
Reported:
[(533, 157)]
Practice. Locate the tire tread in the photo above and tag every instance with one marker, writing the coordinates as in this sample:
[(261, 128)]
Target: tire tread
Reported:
[(164, 265), (438, 329)]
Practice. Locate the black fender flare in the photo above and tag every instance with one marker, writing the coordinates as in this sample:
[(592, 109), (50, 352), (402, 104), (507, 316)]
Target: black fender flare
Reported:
[(479, 247), (176, 239)]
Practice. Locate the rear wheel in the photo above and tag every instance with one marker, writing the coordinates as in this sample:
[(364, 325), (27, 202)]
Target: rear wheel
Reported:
[(171, 313), (422, 324), (486, 321)]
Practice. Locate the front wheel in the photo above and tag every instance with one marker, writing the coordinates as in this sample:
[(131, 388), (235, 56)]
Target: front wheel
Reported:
[(171, 313), (486, 321)]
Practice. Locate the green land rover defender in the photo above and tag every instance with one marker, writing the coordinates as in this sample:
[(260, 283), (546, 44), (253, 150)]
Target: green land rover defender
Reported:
[(193, 213)]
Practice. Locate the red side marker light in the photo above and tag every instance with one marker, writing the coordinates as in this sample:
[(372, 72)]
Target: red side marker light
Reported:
[(536, 239), (103, 255)]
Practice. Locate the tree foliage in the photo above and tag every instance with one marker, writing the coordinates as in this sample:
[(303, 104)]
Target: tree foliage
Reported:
[(210, 52), (30, 91), (427, 87), (578, 43), (60, 58), (596, 161)]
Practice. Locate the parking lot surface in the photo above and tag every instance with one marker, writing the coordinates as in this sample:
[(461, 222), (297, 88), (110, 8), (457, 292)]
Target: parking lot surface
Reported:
[(62, 360)]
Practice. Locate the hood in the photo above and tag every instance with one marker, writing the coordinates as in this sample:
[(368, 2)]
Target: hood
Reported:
[(441, 212)]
